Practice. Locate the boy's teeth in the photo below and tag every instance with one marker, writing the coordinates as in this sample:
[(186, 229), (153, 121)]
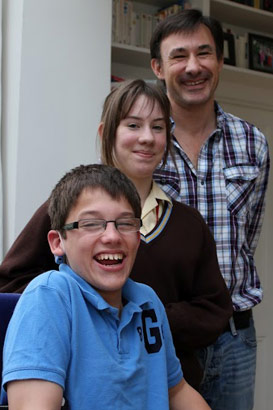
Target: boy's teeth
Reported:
[(106, 256)]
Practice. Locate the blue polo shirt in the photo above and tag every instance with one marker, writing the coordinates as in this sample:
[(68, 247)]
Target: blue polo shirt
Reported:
[(63, 331)]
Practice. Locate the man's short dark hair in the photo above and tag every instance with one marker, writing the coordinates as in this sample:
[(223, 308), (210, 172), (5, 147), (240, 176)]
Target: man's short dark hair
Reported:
[(96, 176), (186, 21)]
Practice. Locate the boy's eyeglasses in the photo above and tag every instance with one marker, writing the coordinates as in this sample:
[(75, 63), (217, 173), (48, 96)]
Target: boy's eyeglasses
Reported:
[(97, 226)]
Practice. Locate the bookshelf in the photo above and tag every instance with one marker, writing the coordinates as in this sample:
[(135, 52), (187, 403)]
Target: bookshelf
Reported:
[(131, 61), (249, 18)]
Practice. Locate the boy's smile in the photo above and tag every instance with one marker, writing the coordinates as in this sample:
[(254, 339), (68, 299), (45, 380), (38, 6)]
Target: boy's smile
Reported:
[(103, 259)]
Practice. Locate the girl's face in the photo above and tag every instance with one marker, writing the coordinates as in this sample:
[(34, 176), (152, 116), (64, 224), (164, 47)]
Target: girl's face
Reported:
[(140, 140)]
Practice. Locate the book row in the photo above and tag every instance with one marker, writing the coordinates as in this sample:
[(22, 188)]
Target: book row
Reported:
[(135, 28)]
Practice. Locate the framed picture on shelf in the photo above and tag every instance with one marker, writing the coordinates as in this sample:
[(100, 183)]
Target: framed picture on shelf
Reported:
[(260, 53), (267, 5), (229, 49)]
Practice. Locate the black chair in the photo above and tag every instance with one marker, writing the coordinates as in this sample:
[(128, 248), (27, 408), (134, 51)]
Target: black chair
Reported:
[(7, 304)]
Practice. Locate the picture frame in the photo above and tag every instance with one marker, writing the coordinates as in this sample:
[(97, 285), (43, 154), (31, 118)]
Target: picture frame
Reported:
[(260, 53), (229, 49)]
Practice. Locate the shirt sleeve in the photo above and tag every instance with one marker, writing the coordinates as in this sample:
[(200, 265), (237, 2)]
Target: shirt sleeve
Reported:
[(258, 203), (37, 344), (29, 255)]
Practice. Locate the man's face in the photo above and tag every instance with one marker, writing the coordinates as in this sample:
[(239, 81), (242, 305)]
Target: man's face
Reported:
[(104, 260), (189, 67)]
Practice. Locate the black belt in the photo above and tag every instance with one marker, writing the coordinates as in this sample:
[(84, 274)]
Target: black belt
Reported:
[(241, 320)]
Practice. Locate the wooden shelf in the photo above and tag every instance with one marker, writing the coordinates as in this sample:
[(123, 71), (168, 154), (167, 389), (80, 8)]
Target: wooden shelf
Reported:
[(244, 16), (230, 12), (140, 57), (130, 55), (245, 76)]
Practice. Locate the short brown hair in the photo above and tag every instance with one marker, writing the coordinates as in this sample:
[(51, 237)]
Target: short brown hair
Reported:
[(72, 184), (186, 21), (117, 106)]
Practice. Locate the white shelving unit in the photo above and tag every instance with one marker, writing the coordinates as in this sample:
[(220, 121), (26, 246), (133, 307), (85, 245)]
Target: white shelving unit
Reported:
[(130, 61)]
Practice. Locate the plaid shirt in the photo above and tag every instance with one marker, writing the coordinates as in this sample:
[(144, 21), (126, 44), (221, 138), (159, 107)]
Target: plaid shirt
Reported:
[(228, 189)]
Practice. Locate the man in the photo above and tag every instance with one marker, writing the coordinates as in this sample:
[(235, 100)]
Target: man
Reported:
[(222, 167)]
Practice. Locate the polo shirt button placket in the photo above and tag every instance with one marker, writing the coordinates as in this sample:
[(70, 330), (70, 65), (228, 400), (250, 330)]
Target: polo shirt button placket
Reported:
[(121, 346)]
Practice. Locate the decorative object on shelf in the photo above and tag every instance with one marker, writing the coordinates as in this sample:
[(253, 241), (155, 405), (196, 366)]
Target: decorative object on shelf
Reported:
[(229, 49), (267, 5), (116, 79), (260, 53), (241, 50)]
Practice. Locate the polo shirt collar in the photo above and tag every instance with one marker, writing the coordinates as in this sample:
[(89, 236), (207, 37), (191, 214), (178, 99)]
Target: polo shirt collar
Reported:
[(130, 292)]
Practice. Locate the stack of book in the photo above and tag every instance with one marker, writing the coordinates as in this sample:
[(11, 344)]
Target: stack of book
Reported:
[(134, 28)]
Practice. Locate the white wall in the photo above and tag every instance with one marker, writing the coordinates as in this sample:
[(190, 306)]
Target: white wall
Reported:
[(56, 73)]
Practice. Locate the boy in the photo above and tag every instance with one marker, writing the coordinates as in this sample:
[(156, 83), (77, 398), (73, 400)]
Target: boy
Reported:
[(87, 332)]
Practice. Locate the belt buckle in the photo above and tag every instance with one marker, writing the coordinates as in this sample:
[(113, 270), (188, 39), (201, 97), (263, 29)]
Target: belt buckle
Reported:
[(232, 327)]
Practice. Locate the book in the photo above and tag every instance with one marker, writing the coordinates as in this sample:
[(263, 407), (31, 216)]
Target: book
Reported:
[(135, 29), (117, 21), (241, 51), (166, 11), (257, 4), (126, 11), (149, 31), (143, 28)]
